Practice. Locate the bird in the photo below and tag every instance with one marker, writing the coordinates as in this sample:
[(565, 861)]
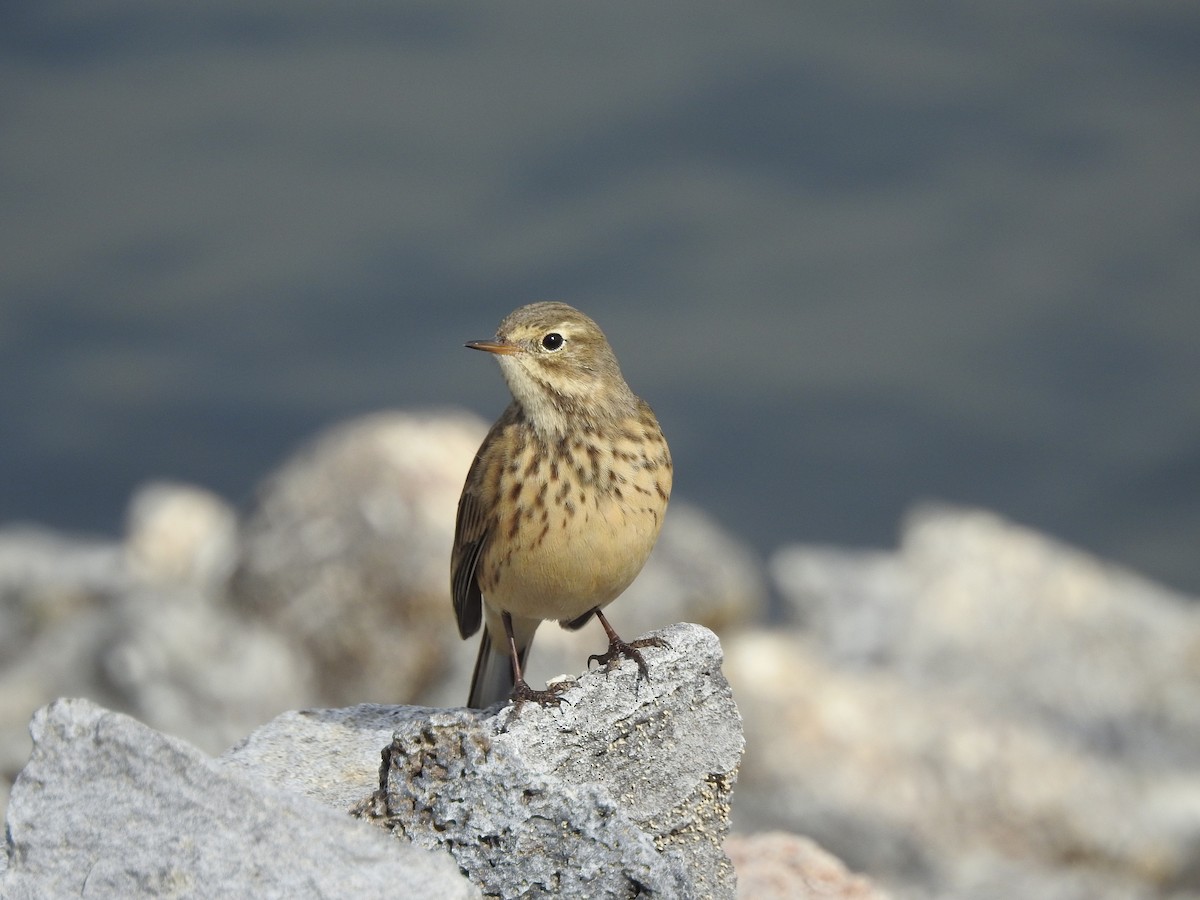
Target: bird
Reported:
[(562, 504)]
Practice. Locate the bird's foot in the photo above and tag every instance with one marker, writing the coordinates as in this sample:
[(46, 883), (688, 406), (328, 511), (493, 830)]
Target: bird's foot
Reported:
[(523, 693), (618, 648)]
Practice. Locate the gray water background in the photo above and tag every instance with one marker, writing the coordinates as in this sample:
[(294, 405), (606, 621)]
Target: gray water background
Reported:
[(855, 255)]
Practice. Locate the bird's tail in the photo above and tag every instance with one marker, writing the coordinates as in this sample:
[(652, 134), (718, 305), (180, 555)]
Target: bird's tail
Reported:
[(493, 680)]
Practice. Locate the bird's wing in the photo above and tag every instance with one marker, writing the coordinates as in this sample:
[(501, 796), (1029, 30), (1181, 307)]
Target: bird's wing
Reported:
[(472, 530)]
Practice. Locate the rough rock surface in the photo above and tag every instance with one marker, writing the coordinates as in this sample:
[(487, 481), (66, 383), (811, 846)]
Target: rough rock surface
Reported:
[(616, 792), (107, 807), (625, 787), (622, 790)]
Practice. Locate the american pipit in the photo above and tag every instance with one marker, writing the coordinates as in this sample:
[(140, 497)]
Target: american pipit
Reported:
[(563, 503)]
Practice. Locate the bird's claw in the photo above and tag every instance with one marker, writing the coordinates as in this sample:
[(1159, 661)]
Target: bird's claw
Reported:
[(618, 648)]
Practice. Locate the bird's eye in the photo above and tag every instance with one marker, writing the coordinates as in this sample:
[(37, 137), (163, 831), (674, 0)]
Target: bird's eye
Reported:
[(553, 341)]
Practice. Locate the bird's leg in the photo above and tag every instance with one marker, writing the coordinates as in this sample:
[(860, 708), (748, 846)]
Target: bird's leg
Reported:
[(522, 691), (618, 648)]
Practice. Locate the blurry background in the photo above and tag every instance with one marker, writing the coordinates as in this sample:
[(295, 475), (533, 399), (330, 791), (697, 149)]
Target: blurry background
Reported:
[(853, 257)]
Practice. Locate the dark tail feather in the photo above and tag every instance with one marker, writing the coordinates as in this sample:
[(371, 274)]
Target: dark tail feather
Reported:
[(493, 678)]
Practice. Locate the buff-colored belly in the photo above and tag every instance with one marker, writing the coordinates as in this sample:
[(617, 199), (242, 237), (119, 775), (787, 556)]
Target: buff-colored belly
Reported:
[(564, 566)]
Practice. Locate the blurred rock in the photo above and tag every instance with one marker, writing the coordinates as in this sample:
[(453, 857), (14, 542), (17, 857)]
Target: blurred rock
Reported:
[(778, 866), (110, 808), (921, 786), (47, 578), (855, 602), (1016, 620), (180, 535), (79, 619), (56, 594), (54, 599), (347, 552), (983, 710), (197, 669), (698, 572), (1106, 658)]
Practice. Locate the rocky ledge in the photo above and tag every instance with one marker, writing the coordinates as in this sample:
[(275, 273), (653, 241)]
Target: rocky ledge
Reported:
[(622, 790)]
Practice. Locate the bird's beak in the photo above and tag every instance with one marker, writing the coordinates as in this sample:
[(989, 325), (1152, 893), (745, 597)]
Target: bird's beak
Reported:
[(504, 348)]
